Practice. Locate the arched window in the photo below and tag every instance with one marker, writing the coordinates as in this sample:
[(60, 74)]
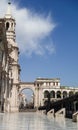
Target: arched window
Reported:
[(12, 25), (58, 94), (7, 25), (71, 93), (64, 94), (46, 93), (52, 94)]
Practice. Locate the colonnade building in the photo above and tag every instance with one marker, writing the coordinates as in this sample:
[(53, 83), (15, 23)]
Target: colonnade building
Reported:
[(10, 85)]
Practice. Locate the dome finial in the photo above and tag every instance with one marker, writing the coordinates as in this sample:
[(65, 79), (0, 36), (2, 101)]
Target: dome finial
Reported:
[(8, 13), (9, 2)]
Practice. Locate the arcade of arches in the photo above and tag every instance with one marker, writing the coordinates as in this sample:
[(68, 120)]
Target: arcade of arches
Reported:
[(42, 87)]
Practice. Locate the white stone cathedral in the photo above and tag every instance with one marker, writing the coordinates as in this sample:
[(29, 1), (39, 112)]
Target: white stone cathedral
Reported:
[(14, 70), (10, 95)]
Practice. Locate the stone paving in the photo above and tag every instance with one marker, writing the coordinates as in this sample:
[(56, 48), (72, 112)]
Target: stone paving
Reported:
[(34, 121)]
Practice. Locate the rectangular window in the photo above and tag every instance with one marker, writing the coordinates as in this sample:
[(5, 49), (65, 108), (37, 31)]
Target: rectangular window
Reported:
[(56, 83)]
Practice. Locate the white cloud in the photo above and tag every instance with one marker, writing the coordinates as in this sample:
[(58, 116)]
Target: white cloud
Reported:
[(32, 30)]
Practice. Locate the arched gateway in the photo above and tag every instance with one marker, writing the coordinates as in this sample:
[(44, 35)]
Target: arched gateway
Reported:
[(39, 87), (36, 90), (28, 85)]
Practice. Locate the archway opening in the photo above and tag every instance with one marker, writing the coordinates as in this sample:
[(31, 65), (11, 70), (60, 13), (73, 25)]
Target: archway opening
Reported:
[(71, 93), (26, 99), (46, 93), (52, 94), (64, 94), (7, 25), (58, 94)]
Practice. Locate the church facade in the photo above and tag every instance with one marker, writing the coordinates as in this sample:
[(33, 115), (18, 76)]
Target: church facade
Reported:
[(10, 85)]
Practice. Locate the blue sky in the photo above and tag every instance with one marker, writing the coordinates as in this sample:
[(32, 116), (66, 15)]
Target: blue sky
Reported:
[(47, 35), (64, 62)]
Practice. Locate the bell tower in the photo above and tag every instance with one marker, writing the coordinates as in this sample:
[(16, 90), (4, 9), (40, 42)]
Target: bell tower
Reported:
[(14, 67), (10, 24)]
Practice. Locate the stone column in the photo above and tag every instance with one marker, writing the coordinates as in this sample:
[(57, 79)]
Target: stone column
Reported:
[(36, 96), (56, 95)]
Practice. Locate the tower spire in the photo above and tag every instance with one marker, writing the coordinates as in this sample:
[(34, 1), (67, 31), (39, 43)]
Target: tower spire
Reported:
[(8, 12), (9, 2)]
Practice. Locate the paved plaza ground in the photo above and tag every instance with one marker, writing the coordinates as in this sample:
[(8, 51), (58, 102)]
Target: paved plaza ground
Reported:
[(34, 121)]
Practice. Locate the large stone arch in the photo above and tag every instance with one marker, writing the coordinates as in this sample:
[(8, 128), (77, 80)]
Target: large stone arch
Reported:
[(24, 85), (37, 91)]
